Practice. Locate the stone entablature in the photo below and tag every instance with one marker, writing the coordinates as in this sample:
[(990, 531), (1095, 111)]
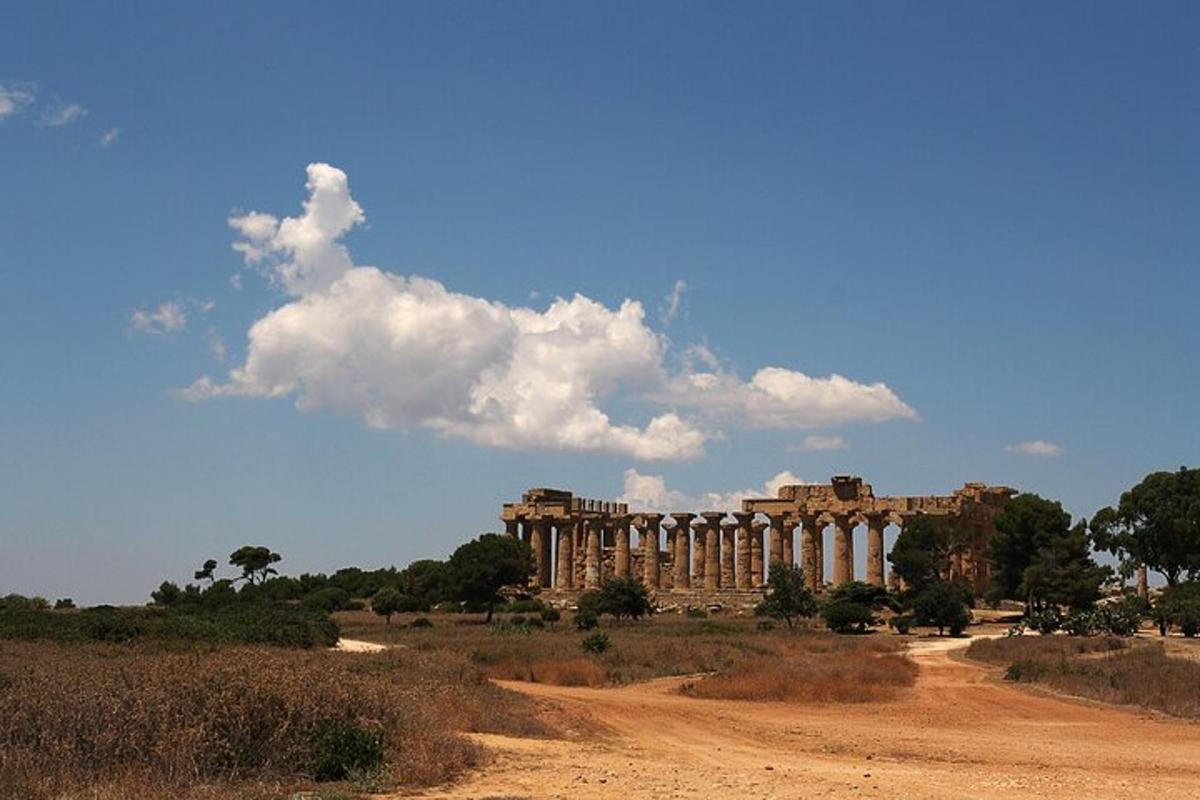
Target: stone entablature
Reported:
[(577, 542)]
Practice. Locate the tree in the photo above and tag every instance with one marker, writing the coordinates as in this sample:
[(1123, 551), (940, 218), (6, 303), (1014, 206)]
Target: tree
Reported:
[(842, 616), (205, 573), (1063, 572), (1039, 558), (424, 581), (63, 603), (924, 549), (386, 602), (255, 562), (786, 598), (864, 594), (623, 597), (167, 594), (1156, 523), (1179, 605), (479, 569), (943, 605)]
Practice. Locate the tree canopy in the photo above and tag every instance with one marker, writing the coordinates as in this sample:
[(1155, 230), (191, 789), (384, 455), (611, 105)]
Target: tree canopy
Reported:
[(255, 562), (479, 569), (1156, 523), (787, 598), (924, 548), (1038, 557)]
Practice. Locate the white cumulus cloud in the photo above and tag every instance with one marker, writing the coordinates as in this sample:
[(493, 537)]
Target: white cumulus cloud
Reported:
[(167, 318), (1037, 447), (404, 351), (651, 493), (109, 137)]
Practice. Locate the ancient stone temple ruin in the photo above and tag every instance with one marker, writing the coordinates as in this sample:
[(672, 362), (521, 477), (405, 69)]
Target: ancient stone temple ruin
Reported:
[(578, 542)]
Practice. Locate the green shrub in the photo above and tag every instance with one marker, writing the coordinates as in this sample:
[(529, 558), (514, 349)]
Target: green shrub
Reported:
[(1081, 623), (551, 615), (943, 605), (526, 605), (1045, 621), (329, 599), (63, 603), (765, 625), (596, 644), (517, 619), (1124, 617), (421, 622), (343, 749), (842, 616), (902, 624), (586, 620)]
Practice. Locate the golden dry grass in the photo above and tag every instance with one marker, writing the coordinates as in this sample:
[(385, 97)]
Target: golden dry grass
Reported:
[(1109, 670), (89, 720), (814, 671)]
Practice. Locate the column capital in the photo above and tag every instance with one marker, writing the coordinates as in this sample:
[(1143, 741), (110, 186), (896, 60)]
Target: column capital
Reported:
[(683, 518), (744, 518), (651, 520)]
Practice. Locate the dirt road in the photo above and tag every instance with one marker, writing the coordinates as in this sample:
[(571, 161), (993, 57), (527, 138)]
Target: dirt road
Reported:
[(959, 733)]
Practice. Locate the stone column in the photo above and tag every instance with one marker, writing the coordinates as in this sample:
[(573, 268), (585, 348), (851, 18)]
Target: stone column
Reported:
[(1143, 582), (563, 567), (757, 534), (538, 536), (579, 548), (875, 525), (681, 578), (728, 536), (591, 575), (843, 550), (712, 550), (697, 553), (776, 538), (819, 550), (808, 550), (789, 541), (511, 528), (649, 534), (742, 574), (621, 545), (546, 574)]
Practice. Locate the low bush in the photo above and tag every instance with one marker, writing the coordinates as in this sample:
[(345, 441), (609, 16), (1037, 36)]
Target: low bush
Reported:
[(525, 605), (902, 623), (597, 643), (421, 622)]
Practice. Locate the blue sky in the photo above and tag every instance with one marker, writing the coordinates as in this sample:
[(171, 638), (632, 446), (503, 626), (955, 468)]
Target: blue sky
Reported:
[(990, 210)]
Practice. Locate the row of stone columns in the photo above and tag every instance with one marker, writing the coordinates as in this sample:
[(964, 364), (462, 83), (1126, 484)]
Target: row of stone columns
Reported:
[(717, 554)]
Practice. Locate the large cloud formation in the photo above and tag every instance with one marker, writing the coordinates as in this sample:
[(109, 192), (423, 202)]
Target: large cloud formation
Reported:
[(651, 493), (405, 351)]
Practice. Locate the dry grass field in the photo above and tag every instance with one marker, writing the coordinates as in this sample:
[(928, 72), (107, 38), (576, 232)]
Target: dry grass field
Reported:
[(121, 721), (1136, 673)]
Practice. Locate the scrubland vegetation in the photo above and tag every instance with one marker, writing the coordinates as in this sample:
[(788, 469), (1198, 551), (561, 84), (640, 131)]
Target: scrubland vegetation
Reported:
[(1108, 669), (123, 721)]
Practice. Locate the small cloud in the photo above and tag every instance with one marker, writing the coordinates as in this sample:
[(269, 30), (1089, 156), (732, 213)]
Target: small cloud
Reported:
[(670, 307), (235, 280), (204, 306), (169, 317), (700, 354), (64, 114), (822, 443), (14, 97), (109, 137), (1037, 447)]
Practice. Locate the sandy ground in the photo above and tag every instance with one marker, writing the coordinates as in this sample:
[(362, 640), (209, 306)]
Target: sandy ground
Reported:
[(959, 733)]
